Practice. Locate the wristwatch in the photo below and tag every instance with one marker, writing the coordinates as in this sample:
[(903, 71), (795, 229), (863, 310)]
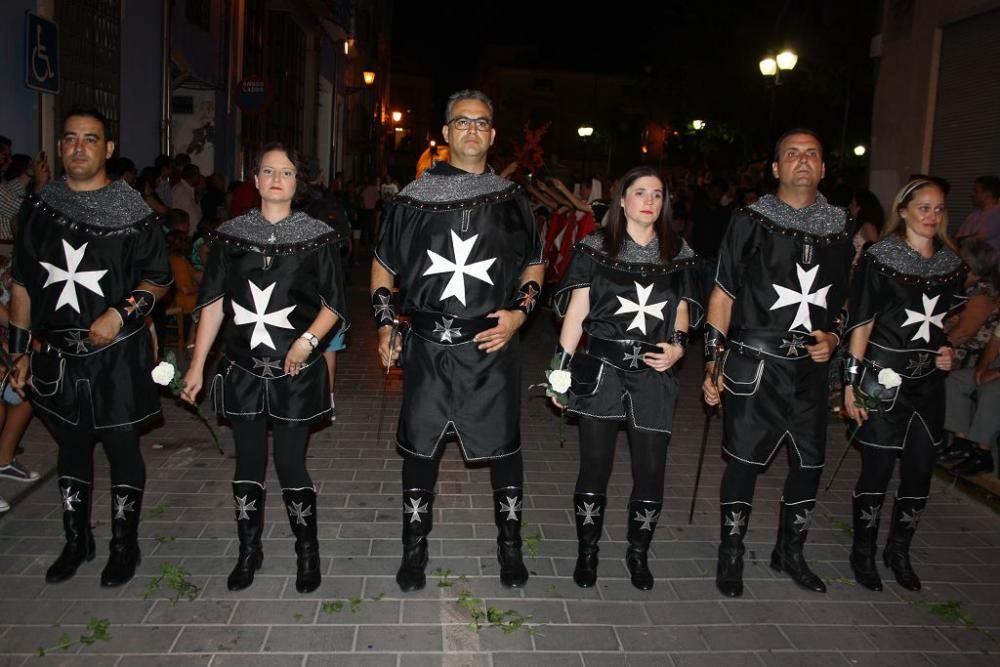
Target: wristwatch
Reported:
[(310, 338)]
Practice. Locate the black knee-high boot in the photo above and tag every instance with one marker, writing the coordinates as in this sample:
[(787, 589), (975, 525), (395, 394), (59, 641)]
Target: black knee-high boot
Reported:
[(589, 524), (905, 517), (734, 522), (79, 545), (248, 497), (867, 509), (787, 557), (418, 519), (642, 518), (301, 506), (507, 516), (126, 507)]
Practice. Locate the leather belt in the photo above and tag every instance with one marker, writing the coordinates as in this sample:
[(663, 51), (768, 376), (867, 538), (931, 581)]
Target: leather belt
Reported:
[(625, 355), (760, 343), (444, 329)]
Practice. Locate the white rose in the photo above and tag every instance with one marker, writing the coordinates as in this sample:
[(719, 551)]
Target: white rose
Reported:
[(559, 381), (889, 378), (163, 373)]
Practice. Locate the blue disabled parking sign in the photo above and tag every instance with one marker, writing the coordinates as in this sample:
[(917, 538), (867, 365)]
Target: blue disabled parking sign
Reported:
[(41, 54)]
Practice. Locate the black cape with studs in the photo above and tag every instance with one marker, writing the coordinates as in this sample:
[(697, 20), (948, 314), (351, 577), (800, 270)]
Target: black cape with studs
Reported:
[(273, 280)]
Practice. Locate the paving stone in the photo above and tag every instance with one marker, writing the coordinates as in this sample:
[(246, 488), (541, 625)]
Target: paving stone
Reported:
[(400, 638), (732, 659), (885, 659), (906, 638), (445, 660), (220, 639), (744, 637), (309, 639), (658, 638), (537, 660), (166, 661), (352, 660), (249, 660), (813, 638)]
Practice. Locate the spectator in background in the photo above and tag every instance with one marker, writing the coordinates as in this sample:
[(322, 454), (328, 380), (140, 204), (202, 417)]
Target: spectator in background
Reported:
[(145, 185), (369, 200), (164, 167), (213, 201), (710, 219), (186, 279), (177, 220), (28, 177), (866, 210), (124, 169), (184, 194), (972, 396), (243, 197), (984, 223), (5, 150), (15, 413)]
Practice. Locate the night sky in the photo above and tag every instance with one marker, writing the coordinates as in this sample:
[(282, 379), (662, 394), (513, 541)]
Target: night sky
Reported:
[(700, 58)]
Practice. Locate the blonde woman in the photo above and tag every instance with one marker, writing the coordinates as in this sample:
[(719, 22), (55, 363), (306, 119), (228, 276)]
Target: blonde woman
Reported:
[(905, 286)]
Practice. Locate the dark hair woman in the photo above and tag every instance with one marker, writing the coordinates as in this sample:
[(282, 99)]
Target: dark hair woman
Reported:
[(894, 375), (632, 288), (274, 277)]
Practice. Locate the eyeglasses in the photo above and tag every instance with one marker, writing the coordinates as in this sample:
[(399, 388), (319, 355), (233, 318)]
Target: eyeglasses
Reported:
[(463, 124)]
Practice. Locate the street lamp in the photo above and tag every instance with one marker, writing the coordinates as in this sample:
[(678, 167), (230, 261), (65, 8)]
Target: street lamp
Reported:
[(698, 125), (773, 66), (860, 150), (585, 132), (397, 116), (368, 76)]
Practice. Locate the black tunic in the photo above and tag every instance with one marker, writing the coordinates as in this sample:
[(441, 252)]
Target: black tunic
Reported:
[(274, 279), (633, 304), (78, 254), (457, 244), (787, 271), (908, 296)]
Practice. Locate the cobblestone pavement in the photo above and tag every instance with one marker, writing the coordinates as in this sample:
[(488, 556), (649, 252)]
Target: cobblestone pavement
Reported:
[(358, 616)]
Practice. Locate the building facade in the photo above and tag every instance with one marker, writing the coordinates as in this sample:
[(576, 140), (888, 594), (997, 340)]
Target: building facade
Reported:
[(937, 97)]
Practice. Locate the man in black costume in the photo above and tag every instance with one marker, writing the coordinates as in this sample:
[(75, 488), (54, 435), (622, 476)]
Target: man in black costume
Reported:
[(779, 289), (461, 244), (89, 264)]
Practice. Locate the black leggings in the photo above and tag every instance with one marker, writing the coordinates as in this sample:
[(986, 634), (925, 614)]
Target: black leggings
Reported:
[(420, 473), (289, 452), (739, 480), (76, 454), (597, 456), (916, 466)]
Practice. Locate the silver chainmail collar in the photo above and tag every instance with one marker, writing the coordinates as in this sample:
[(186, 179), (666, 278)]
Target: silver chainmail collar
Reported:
[(819, 218), (633, 253), (296, 228), (895, 253), (435, 188), (114, 206)]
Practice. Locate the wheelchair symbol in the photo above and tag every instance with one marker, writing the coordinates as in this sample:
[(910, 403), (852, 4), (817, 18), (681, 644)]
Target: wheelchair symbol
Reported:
[(40, 65)]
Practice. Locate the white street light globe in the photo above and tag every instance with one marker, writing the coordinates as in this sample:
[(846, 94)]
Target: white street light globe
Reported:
[(698, 124), (787, 59), (860, 150), (585, 131), (768, 67)]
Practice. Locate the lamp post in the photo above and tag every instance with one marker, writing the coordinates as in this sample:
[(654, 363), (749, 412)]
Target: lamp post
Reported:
[(585, 132), (368, 78), (772, 67)]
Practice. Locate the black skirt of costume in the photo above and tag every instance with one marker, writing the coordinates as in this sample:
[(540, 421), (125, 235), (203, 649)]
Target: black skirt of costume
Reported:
[(908, 297), (633, 306), (77, 254), (768, 400), (787, 272), (457, 244), (273, 279), (462, 390), (113, 383)]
